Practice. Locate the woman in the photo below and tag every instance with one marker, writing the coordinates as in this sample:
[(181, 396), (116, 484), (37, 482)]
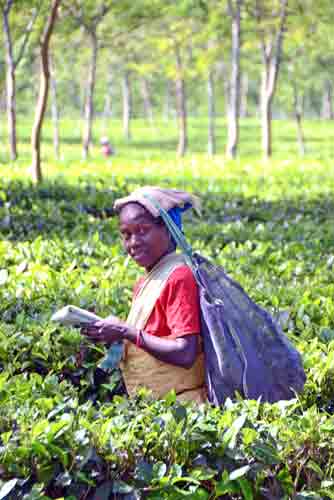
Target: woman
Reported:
[(162, 332)]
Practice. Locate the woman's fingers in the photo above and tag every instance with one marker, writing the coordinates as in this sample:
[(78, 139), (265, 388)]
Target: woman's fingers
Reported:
[(91, 331), (103, 331), (98, 324)]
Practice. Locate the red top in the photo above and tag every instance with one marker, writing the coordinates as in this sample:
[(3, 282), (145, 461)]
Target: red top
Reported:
[(176, 312)]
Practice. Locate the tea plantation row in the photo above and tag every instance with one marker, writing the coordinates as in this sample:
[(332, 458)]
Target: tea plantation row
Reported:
[(66, 428)]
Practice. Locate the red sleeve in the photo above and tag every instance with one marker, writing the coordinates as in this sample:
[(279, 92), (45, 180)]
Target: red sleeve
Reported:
[(180, 302)]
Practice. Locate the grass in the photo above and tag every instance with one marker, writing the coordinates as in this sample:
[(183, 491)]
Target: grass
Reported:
[(153, 143)]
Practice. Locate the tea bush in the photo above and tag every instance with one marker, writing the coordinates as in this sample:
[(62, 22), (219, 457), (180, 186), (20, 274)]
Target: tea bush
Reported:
[(68, 431)]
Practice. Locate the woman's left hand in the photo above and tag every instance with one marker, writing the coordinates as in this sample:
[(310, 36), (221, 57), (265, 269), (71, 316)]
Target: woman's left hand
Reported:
[(106, 331)]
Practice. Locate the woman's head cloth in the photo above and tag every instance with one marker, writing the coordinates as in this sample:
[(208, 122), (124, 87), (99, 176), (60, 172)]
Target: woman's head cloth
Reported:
[(173, 201)]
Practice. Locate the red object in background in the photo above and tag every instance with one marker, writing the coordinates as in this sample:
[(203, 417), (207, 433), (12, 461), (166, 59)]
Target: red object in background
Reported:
[(106, 147), (106, 150)]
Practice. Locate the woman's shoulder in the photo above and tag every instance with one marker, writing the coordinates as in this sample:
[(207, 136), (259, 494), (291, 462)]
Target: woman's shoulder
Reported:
[(182, 273), (182, 276), (181, 289)]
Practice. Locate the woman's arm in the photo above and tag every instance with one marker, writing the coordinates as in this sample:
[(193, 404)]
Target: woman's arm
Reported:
[(181, 351)]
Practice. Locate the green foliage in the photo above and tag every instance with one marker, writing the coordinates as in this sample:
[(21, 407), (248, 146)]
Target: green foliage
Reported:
[(66, 430)]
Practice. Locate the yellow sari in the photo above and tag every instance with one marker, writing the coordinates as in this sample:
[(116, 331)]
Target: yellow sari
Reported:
[(141, 369)]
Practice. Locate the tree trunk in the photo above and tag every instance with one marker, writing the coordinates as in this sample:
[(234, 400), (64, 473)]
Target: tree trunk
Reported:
[(43, 93), (11, 66), (3, 104), (234, 95), (89, 102), (54, 109), (266, 116), (75, 87), (10, 81), (298, 112), (327, 105), (127, 105), (180, 93), (107, 111), (167, 101), (272, 54), (244, 96), (211, 115), (222, 74), (147, 100)]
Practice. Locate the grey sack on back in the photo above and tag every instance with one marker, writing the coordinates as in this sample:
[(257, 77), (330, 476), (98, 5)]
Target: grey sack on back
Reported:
[(245, 350)]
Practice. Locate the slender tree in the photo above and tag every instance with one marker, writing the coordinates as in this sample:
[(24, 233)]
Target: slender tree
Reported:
[(211, 114), (181, 106), (244, 96), (167, 100), (54, 108), (223, 75), (234, 10), (107, 111), (127, 104), (327, 102), (147, 99), (305, 61), (271, 36), (89, 15), (89, 101), (36, 169), (12, 60), (171, 38)]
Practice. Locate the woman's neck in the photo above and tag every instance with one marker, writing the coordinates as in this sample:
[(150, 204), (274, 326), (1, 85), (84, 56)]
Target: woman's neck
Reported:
[(169, 251)]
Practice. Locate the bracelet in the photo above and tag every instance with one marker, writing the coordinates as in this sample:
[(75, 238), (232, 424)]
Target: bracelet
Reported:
[(139, 339)]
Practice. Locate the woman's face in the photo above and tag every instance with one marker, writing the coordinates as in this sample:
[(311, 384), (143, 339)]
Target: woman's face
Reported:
[(144, 239)]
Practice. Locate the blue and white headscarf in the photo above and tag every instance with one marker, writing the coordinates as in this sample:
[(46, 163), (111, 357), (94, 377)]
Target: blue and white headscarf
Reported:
[(173, 201), (176, 214)]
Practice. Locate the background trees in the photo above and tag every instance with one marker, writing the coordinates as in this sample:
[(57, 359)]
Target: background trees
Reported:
[(44, 44), (18, 18), (270, 24), (88, 15), (194, 58)]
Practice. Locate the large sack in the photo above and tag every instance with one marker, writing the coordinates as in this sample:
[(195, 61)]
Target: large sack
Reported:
[(245, 350)]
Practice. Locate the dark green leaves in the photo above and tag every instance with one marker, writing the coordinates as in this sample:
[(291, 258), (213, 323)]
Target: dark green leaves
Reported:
[(64, 435)]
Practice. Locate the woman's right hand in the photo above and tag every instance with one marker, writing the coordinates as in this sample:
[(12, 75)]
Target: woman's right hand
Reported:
[(106, 331)]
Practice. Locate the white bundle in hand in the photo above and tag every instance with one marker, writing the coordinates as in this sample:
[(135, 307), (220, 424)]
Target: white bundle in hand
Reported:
[(74, 316)]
